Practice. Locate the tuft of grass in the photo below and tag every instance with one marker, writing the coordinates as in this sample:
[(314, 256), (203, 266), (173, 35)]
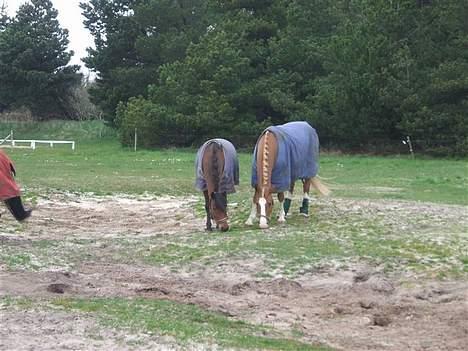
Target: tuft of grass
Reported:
[(187, 323), (24, 303), (18, 260)]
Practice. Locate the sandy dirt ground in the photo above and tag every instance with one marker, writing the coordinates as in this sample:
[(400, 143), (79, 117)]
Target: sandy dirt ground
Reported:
[(358, 308)]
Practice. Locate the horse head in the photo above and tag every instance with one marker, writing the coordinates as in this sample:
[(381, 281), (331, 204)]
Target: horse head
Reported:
[(218, 210)]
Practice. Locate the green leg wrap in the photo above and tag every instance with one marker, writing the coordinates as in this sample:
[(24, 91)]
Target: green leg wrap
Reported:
[(286, 205), (304, 209)]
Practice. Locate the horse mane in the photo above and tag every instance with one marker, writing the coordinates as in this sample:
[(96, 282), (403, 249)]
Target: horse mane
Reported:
[(266, 154)]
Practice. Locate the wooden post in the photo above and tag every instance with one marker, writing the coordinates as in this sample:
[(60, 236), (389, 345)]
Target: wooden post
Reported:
[(408, 140), (136, 139)]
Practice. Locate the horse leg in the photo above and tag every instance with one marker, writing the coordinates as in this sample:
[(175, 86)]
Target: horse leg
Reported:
[(282, 213), (304, 209), (288, 199), (253, 213), (207, 209)]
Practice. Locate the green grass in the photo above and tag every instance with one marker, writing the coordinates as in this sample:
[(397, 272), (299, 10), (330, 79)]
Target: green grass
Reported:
[(102, 166), (187, 323), (398, 177), (301, 246), (57, 130)]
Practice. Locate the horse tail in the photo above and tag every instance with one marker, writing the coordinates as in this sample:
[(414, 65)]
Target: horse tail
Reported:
[(319, 186)]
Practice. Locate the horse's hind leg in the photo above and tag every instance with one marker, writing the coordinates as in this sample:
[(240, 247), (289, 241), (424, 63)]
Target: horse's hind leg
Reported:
[(207, 209), (281, 213), (304, 209), (288, 199)]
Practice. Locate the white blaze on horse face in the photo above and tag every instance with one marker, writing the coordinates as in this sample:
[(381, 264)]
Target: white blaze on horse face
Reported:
[(263, 219)]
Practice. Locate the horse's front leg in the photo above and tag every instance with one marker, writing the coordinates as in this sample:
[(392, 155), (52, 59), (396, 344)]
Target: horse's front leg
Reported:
[(281, 213), (304, 209), (207, 209), (253, 212)]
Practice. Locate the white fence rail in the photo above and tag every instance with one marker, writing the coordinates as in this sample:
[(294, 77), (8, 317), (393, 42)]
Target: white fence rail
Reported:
[(32, 143)]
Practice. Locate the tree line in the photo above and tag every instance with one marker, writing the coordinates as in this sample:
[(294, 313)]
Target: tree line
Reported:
[(34, 65), (364, 73)]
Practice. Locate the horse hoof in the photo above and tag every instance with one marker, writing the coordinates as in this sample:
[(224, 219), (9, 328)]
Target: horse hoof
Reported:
[(281, 220), (249, 222), (208, 229), (263, 226)]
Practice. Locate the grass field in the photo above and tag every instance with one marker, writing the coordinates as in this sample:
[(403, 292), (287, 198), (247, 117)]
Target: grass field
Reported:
[(402, 218)]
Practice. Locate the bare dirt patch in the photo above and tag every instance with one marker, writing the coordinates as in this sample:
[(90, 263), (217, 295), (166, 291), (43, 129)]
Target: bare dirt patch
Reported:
[(57, 330), (64, 216), (354, 308)]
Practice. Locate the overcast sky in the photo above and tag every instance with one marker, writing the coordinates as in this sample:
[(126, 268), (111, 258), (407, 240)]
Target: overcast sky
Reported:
[(69, 15)]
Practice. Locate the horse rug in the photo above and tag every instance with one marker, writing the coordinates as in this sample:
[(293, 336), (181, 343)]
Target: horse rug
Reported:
[(230, 176), (8, 187), (298, 155)]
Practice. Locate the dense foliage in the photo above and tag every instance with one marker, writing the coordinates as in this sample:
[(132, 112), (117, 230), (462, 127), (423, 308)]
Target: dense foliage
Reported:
[(33, 62), (365, 73)]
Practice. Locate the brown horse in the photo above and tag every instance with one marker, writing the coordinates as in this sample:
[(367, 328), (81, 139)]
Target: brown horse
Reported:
[(282, 155), (217, 170)]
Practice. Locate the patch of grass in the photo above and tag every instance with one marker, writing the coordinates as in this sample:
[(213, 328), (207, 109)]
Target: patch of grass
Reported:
[(16, 302), (37, 255), (187, 323), (102, 166), (397, 177), (57, 130), (18, 260), (304, 244)]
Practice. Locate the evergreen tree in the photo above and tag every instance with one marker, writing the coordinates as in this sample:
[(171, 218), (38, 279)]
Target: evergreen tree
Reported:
[(365, 73), (33, 62), (3, 17), (133, 38)]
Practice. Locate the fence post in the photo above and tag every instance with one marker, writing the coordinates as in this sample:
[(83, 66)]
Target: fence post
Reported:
[(410, 145), (136, 139), (11, 138)]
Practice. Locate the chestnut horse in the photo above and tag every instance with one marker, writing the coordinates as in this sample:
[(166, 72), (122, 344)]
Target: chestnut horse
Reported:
[(217, 173), (282, 155)]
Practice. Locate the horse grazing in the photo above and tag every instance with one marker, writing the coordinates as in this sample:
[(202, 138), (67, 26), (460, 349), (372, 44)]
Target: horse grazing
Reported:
[(282, 155), (217, 173)]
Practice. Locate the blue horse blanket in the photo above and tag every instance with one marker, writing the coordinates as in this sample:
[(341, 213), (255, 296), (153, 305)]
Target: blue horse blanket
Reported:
[(298, 155), (230, 176)]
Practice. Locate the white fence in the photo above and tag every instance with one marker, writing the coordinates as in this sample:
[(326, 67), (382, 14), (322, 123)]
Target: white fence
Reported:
[(32, 143)]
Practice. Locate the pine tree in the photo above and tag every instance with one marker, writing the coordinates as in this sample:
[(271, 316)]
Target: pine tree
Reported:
[(33, 62)]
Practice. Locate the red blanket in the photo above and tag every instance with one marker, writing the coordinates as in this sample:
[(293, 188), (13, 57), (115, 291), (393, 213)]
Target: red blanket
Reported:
[(8, 187)]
